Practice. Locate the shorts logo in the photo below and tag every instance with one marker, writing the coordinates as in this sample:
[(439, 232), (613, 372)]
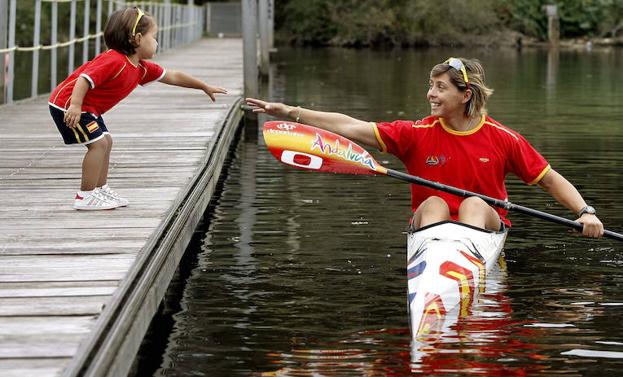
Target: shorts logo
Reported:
[(92, 127)]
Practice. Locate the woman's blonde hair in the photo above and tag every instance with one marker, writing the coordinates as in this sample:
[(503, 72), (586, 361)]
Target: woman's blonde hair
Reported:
[(476, 83)]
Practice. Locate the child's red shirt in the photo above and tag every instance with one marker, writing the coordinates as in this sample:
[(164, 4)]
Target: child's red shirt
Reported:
[(111, 76)]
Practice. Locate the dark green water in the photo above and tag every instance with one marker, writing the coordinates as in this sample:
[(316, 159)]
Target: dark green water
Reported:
[(303, 274)]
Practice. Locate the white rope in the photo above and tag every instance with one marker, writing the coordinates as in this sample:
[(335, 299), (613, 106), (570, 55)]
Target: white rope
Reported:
[(50, 47)]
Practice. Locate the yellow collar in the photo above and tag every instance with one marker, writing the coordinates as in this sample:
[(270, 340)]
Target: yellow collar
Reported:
[(462, 133)]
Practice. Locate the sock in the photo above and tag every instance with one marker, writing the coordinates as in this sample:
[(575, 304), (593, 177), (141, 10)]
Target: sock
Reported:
[(83, 194)]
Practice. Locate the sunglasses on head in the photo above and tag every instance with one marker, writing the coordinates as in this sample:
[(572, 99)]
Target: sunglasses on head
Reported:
[(138, 18), (459, 66)]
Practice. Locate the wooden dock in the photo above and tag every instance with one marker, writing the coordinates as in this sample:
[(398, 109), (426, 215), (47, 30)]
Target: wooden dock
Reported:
[(78, 289)]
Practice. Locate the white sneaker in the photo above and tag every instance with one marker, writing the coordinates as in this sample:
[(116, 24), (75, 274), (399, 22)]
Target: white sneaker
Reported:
[(113, 196), (93, 201)]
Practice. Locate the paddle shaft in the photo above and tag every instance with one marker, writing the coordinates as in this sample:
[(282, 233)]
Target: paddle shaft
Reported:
[(496, 202)]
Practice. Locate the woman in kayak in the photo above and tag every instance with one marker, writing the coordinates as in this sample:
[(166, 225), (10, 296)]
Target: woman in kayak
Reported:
[(457, 145)]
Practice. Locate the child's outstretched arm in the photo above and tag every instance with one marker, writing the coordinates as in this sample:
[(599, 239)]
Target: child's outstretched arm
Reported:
[(73, 113), (185, 80)]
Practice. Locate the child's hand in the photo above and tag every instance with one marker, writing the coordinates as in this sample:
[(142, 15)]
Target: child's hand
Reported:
[(72, 116), (212, 90)]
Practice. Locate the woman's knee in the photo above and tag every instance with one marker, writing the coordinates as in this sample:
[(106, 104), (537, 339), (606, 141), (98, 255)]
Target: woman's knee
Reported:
[(434, 203), (477, 212), (473, 204), (432, 210)]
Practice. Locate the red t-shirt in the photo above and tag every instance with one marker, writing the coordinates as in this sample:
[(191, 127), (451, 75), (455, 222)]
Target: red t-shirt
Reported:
[(111, 76), (477, 160)]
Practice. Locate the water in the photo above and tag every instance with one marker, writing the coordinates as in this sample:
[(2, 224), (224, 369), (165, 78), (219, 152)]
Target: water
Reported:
[(299, 274)]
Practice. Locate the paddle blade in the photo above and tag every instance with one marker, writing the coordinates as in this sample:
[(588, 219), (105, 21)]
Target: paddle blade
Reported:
[(310, 148)]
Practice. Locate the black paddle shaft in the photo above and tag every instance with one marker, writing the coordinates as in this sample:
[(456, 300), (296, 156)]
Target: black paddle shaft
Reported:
[(496, 202)]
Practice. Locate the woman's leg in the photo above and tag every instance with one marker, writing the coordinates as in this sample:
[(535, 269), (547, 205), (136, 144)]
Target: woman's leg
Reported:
[(474, 211), (432, 210), (93, 163)]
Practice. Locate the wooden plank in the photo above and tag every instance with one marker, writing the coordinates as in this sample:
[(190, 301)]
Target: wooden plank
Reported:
[(64, 267), (58, 288), (44, 367), (52, 306)]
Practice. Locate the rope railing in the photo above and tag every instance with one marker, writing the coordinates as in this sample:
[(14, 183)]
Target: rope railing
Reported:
[(50, 47), (178, 24)]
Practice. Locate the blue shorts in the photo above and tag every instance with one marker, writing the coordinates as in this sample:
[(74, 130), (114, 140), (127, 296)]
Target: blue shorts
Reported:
[(90, 129)]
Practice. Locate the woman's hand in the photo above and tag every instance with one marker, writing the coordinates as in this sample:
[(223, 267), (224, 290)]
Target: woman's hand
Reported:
[(275, 109), (592, 226)]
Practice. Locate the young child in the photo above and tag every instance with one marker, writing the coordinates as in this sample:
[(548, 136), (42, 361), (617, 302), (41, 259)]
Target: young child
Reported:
[(77, 104)]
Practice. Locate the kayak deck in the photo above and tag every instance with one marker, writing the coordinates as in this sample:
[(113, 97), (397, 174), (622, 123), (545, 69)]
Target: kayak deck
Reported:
[(447, 263)]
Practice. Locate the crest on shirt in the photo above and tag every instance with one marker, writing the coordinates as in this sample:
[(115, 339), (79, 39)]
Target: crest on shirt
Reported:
[(433, 160)]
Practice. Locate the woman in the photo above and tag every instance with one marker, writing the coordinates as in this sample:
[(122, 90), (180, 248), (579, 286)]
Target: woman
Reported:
[(458, 145)]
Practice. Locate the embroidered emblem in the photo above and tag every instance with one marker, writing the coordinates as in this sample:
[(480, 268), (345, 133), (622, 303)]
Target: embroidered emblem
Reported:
[(92, 127), (432, 160), (483, 159)]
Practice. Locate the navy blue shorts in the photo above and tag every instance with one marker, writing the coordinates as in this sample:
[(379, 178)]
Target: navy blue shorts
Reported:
[(90, 129)]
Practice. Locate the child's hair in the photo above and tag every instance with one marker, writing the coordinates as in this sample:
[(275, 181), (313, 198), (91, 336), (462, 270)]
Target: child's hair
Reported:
[(476, 76), (120, 33)]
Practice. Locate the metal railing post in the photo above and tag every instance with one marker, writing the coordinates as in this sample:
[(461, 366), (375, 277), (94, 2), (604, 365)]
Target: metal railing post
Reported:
[(85, 26), (3, 44), (98, 27), (249, 38), (271, 24), (54, 49), (9, 79), (72, 36), (35, 53), (263, 23)]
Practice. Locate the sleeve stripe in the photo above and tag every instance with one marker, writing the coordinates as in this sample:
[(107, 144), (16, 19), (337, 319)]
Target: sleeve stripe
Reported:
[(540, 176), (164, 72), (89, 79), (378, 137)]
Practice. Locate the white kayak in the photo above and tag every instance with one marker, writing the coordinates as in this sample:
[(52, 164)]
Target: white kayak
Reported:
[(447, 264)]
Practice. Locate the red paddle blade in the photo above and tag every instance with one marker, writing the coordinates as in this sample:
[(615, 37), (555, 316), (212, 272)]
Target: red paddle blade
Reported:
[(310, 148)]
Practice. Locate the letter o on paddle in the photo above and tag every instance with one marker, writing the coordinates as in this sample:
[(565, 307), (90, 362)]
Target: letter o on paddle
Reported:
[(302, 160)]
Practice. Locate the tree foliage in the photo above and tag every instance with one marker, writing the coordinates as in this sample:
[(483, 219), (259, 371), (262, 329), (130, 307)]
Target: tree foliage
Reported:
[(417, 22)]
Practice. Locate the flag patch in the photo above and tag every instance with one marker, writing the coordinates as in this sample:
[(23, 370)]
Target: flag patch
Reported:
[(92, 127)]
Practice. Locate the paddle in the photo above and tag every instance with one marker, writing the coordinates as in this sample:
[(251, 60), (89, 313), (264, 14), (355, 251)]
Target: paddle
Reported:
[(310, 148)]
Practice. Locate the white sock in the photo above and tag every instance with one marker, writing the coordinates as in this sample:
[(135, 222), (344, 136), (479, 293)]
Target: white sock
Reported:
[(84, 194)]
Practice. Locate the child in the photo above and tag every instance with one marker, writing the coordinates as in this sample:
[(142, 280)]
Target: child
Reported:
[(77, 104)]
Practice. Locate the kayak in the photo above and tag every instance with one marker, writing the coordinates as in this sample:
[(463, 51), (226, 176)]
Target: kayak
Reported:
[(447, 265)]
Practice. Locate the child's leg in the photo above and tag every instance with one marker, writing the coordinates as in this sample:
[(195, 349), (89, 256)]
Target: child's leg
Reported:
[(93, 163), (103, 177)]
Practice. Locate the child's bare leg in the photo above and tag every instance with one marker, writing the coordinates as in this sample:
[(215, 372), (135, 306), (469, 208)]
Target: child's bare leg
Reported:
[(103, 177), (93, 163)]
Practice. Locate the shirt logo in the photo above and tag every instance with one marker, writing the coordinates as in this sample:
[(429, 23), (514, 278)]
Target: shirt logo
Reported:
[(433, 160), (484, 159)]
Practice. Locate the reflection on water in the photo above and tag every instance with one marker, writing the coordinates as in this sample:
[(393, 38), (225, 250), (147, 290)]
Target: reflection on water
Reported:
[(303, 274)]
